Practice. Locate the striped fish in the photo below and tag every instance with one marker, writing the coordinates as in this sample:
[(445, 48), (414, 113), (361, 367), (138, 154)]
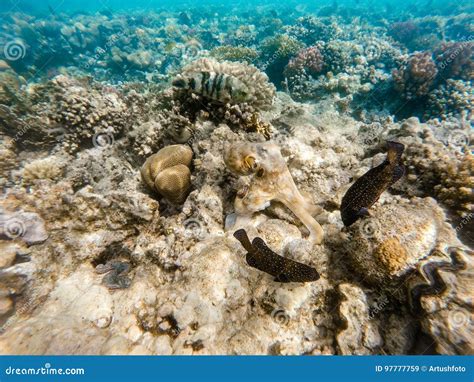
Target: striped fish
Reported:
[(215, 86)]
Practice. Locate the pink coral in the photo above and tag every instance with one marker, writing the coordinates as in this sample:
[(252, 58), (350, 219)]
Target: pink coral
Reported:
[(455, 60), (415, 77), (404, 31), (308, 59)]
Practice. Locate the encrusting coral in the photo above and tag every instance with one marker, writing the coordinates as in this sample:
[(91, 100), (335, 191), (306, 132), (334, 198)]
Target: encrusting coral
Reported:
[(270, 180)]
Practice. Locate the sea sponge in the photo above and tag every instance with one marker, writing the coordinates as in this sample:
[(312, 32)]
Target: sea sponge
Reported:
[(261, 92), (168, 173), (415, 77)]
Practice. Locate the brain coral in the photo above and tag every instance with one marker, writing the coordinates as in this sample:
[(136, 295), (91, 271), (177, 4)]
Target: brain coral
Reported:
[(261, 91)]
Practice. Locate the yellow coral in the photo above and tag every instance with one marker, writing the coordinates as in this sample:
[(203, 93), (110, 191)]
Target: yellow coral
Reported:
[(392, 255)]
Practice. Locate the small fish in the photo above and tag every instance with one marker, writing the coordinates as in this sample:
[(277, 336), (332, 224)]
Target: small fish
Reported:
[(115, 274), (368, 188), (284, 270), (216, 86)]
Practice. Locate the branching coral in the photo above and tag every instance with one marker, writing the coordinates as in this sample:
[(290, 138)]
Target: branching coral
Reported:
[(438, 170), (49, 168), (416, 76), (234, 53), (276, 52), (309, 60), (404, 31), (454, 98), (455, 60)]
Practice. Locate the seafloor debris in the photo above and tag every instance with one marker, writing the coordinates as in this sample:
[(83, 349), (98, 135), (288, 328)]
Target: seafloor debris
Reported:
[(271, 180), (168, 173), (115, 274), (368, 188), (284, 270)]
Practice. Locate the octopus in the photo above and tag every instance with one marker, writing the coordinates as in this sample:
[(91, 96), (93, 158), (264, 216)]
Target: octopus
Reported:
[(270, 181)]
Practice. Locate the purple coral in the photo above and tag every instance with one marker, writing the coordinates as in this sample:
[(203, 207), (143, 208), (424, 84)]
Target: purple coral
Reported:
[(404, 31), (416, 76), (455, 60), (309, 60)]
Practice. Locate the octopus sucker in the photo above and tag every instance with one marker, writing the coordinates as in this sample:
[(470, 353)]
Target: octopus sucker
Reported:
[(270, 181)]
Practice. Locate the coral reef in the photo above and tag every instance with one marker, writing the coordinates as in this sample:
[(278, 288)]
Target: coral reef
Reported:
[(93, 261)]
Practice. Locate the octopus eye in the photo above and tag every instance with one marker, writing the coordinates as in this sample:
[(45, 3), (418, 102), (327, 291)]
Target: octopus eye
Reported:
[(260, 172), (242, 192), (250, 162)]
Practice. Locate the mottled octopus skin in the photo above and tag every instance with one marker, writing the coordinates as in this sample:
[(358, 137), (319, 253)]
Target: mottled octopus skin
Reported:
[(271, 180), (284, 270), (368, 188)]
